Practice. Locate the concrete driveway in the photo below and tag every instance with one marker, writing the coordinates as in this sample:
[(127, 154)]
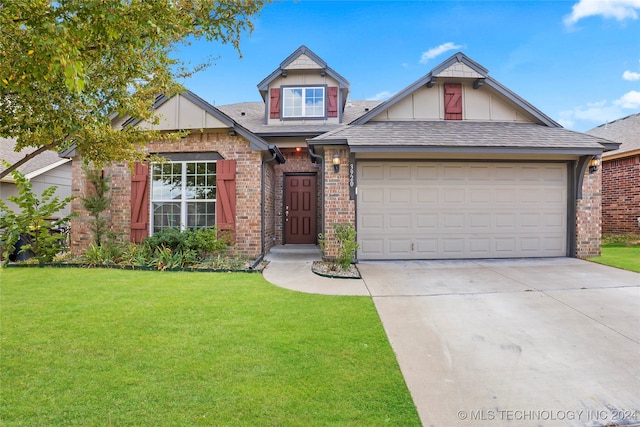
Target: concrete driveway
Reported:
[(513, 342)]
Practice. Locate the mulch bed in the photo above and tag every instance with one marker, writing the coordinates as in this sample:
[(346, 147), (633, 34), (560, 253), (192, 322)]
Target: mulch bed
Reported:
[(333, 270)]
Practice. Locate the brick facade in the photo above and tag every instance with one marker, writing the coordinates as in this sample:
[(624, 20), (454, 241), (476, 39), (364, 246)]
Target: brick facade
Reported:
[(589, 216), (248, 190), (621, 195)]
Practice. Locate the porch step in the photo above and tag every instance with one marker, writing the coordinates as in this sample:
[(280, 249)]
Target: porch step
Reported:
[(296, 249)]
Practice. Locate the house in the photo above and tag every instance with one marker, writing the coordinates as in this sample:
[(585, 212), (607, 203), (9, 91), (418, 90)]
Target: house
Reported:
[(43, 171), (454, 166), (621, 176)]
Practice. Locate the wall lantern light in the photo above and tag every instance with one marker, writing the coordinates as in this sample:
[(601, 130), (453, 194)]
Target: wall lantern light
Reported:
[(336, 162), (594, 164)]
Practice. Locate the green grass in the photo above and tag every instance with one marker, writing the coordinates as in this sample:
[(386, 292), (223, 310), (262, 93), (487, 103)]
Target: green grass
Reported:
[(108, 347), (625, 257)]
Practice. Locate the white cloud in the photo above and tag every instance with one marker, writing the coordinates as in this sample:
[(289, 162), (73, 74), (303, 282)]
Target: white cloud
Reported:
[(380, 96), (617, 9), (631, 76), (436, 51), (600, 112), (629, 100)]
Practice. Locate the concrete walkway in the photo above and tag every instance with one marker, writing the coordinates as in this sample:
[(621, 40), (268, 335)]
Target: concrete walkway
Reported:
[(541, 342)]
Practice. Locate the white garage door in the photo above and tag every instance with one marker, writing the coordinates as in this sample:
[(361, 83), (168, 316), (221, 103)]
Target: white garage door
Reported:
[(447, 210)]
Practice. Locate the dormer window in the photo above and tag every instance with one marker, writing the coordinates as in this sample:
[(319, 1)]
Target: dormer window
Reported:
[(308, 101)]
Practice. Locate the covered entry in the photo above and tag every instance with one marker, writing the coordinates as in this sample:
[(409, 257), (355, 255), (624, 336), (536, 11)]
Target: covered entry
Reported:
[(460, 209), (300, 208)]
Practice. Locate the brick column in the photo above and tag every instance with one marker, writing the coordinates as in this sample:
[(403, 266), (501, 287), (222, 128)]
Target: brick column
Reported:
[(589, 216), (337, 206)]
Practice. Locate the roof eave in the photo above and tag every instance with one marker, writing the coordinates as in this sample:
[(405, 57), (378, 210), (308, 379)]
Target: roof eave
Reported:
[(475, 150)]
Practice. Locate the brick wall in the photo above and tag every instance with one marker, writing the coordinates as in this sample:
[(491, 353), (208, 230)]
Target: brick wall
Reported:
[(589, 216), (337, 206), (248, 192), (621, 195)]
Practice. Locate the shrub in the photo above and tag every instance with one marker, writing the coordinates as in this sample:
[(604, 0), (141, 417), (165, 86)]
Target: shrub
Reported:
[(345, 234), (32, 225)]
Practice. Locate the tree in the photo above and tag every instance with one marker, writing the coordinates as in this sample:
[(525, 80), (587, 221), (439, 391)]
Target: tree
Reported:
[(97, 201), (66, 68)]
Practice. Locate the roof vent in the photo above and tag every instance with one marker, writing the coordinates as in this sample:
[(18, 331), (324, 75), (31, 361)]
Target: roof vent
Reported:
[(242, 113), (366, 108)]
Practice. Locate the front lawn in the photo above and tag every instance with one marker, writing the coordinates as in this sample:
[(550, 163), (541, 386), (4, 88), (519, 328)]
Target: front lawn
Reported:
[(110, 347), (626, 257)]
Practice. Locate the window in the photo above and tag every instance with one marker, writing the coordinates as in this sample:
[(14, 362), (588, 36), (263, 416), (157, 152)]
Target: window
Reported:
[(183, 195), (303, 102)]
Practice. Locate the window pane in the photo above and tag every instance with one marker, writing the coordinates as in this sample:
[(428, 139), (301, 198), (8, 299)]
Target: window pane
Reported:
[(166, 182), (292, 102), (201, 214), (314, 102), (166, 215)]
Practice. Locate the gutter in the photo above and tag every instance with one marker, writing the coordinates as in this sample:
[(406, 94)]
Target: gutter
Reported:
[(276, 155)]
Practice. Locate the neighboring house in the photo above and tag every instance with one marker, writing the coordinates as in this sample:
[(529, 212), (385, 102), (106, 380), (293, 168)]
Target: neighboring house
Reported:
[(621, 176), (454, 166), (43, 171)]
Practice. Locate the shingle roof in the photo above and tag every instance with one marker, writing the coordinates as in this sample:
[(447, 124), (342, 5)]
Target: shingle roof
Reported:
[(461, 136), (39, 163), (251, 115), (625, 130)]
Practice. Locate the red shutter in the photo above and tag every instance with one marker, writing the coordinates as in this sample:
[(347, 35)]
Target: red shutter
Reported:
[(274, 103), (332, 101), (453, 101), (140, 202), (226, 195)]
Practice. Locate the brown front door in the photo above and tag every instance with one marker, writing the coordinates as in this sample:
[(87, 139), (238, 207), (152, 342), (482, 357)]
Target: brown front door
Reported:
[(300, 209)]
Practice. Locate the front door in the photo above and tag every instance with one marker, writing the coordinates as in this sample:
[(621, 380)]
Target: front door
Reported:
[(300, 209)]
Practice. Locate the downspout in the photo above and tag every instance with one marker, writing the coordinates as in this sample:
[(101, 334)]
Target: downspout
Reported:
[(321, 159), (262, 215)]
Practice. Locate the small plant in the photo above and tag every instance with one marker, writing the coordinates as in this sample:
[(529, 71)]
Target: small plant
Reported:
[(345, 234), (32, 225), (96, 202)]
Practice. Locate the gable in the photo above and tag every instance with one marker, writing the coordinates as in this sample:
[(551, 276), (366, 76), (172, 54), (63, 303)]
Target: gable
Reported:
[(304, 62), (460, 69), (483, 104), (182, 113), (482, 98)]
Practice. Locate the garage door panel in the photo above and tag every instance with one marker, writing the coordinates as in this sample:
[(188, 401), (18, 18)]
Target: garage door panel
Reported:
[(439, 210), (426, 222), (425, 198), (398, 196), (427, 247), (399, 222), (399, 246), (454, 195)]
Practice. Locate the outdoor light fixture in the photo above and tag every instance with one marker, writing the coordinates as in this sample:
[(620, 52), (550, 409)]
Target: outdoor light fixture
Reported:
[(593, 164), (336, 162)]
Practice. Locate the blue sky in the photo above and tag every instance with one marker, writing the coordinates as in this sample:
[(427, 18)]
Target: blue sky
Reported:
[(577, 61)]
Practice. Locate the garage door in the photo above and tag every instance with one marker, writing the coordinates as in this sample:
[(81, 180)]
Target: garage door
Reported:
[(448, 210)]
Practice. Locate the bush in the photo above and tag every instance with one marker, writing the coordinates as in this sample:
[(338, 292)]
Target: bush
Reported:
[(345, 234), (32, 225)]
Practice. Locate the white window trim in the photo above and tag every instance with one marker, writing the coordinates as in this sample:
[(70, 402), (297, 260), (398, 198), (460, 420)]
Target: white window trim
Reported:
[(304, 115), (183, 190)]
